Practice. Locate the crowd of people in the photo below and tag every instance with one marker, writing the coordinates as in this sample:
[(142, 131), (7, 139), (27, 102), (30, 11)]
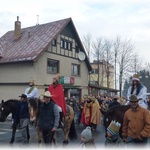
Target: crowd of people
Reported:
[(136, 124)]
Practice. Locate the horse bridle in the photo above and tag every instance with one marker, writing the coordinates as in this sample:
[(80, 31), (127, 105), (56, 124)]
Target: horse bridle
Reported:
[(6, 109)]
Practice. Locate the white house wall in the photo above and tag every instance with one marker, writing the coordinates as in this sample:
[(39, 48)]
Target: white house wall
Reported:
[(14, 73)]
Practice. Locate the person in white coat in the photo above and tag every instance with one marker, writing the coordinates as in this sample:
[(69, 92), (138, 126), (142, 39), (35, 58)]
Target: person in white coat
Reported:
[(31, 92), (138, 89)]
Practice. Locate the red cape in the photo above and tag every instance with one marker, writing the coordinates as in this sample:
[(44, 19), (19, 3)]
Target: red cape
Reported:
[(58, 96)]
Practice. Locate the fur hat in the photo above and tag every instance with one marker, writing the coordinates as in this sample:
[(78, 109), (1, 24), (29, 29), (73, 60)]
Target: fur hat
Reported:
[(47, 94), (136, 77), (87, 133), (133, 98), (57, 77), (114, 127)]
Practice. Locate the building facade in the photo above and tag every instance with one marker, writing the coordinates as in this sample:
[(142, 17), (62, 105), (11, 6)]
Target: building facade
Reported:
[(38, 53), (101, 79)]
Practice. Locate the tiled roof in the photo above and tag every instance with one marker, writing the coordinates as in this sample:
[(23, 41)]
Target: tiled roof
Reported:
[(33, 41)]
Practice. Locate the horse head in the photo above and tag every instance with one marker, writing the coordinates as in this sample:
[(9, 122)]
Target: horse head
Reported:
[(4, 111), (115, 113), (107, 117)]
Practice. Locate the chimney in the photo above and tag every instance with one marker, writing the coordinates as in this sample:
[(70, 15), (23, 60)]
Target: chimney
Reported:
[(17, 32)]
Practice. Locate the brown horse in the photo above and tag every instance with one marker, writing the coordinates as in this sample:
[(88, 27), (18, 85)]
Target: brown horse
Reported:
[(114, 113), (68, 120)]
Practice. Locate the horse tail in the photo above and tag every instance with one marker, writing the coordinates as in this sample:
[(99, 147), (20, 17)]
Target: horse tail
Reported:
[(73, 132)]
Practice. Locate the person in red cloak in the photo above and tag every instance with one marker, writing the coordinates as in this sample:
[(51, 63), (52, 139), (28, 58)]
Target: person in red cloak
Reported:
[(57, 92)]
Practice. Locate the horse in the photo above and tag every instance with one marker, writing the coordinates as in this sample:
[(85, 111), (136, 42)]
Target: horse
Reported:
[(11, 107), (68, 121), (114, 113)]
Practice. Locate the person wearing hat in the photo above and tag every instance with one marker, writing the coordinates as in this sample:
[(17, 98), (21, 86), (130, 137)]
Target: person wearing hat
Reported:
[(91, 114), (57, 91), (48, 119), (113, 138), (24, 118), (114, 102), (31, 92), (136, 123), (87, 140), (139, 90)]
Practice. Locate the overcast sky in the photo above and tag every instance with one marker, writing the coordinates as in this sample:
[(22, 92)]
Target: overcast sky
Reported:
[(129, 19)]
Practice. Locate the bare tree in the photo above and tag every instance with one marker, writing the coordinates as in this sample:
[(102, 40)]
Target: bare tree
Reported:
[(87, 41), (136, 64), (147, 66), (108, 59), (116, 48), (98, 52), (124, 60)]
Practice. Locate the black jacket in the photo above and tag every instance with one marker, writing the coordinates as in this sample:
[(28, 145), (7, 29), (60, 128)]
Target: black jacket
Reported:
[(48, 116)]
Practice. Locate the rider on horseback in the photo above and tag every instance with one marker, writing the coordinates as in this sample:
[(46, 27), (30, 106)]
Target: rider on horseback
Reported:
[(31, 91), (138, 89), (57, 92)]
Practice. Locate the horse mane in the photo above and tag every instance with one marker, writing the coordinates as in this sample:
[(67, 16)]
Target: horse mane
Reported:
[(121, 107), (118, 110), (11, 100)]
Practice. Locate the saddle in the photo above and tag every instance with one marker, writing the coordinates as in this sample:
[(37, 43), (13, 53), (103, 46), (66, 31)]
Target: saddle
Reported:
[(67, 110)]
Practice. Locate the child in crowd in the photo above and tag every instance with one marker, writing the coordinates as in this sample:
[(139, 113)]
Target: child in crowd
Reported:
[(113, 138), (87, 140)]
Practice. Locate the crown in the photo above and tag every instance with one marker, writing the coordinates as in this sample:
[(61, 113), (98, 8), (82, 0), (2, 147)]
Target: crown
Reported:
[(114, 127), (136, 77)]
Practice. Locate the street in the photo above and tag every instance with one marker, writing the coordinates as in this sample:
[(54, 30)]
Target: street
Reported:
[(5, 135)]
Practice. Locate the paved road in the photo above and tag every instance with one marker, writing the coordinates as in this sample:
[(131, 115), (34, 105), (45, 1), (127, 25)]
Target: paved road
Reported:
[(5, 134)]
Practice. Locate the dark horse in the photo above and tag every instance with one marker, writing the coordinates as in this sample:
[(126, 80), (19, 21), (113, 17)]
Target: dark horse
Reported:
[(11, 106), (114, 113)]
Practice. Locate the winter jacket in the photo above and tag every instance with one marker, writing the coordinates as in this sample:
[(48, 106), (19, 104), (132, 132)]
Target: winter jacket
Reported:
[(48, 116), (136, 123), (114, 141), (89, 144), (24, 110)]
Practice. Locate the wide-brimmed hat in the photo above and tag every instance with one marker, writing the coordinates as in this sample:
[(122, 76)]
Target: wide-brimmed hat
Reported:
[(47, 94), (23, 96), (133, 98)]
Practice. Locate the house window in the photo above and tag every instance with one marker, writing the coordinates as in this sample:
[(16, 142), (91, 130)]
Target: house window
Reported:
[(62, 44), (69, 46), (75, 69), (54, 42), (77, 49), (65, 44), (52, 66), (95, 71)]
